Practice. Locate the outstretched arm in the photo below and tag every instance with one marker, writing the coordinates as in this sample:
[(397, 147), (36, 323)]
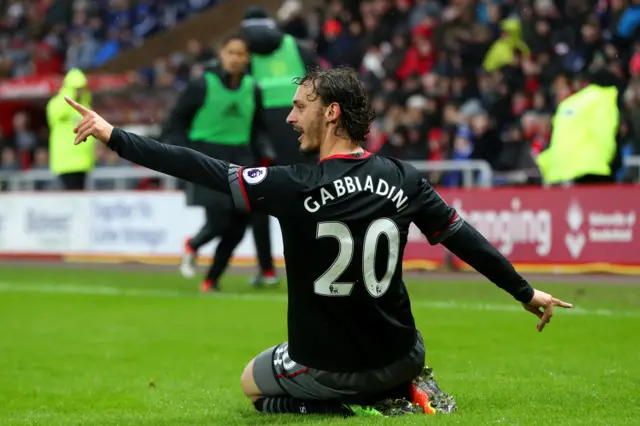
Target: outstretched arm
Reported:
[(442, 225), (268, 190), (183, 163), (470, 246)]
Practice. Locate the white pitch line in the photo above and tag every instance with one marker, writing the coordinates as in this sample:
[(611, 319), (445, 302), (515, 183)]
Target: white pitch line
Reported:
[(9, 287), (90, 290)]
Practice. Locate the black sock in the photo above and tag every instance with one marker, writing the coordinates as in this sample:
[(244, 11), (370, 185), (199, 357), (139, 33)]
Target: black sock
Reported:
[(287, 404)]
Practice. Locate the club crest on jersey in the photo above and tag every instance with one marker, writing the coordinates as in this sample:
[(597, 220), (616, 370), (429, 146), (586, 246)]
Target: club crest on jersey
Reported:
[(255, 175)]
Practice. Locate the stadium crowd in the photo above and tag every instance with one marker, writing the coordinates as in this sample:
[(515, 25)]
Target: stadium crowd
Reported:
[(40, 38), (454, 79), (43, 37)]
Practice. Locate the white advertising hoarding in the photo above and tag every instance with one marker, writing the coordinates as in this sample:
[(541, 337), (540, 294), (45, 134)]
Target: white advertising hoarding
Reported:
[(109, 223)]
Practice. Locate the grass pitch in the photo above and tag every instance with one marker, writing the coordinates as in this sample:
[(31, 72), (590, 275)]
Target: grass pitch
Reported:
[(115, 347)]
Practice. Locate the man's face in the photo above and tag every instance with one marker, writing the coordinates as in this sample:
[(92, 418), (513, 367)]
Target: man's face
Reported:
[(480, 124), (307, 117), (234, 56), (589, 33)]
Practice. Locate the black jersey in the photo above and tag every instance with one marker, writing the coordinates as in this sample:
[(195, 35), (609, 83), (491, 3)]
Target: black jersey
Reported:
[(344, 225)]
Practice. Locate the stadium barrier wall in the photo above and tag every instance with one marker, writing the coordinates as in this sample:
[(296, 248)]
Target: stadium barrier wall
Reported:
[(560, 230)]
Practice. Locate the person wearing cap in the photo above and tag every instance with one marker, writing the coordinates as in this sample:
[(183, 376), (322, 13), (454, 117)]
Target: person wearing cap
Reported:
[(68, 164)]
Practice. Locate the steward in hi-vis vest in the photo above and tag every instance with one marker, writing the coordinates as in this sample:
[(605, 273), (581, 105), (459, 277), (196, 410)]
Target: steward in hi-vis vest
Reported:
[(69, 164), (583, 147)]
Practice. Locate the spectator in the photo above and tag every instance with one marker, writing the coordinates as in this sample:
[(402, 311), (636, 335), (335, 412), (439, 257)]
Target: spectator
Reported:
[(419, 59), (291, 19), (487, 144), (107, 158), (424, 9), (145, 22), (25, 139), (632, 102), (9, 161), (48, 37), (502, 51), (628, 22), (82, 50), (342, 45), (626, 141), (41, 162), (461, 151), (437, 69), (40, 159), (198, 53), (109, 49), (8, 164)]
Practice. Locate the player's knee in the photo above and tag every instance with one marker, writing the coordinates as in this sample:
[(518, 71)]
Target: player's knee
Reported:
[(247, 378), (249, 387)]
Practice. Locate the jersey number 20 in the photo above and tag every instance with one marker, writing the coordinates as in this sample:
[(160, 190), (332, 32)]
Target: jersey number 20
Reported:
[(326, 285)]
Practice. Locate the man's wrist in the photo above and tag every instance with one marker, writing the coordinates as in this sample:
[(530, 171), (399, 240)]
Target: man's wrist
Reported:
[(525, 295), (112, 137)]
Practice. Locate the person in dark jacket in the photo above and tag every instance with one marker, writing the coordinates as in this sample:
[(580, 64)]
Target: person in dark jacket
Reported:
[(221, 115), (276, 59)]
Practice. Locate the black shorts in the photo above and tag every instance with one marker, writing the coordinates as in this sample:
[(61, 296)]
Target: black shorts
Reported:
[(276, 374)]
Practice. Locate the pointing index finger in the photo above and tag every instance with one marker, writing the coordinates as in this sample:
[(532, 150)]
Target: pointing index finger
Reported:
[(81, 109), (562, 304)]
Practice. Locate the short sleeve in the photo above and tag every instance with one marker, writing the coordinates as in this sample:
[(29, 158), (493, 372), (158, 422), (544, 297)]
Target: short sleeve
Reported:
[(433, 216), (270, 190)]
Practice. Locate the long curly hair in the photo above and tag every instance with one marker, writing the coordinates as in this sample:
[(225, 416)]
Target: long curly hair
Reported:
[(342, 86)]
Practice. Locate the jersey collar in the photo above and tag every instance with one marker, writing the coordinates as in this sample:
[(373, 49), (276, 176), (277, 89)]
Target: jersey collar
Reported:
[(365, 154)]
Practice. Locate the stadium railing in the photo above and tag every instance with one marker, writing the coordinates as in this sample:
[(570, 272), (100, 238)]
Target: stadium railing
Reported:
[(28, 180), (633, 161), (120, 176), (474, 173), (469, 169)]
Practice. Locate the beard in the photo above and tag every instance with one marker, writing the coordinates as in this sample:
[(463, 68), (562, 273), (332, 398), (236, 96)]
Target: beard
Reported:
[(309, 151), (314, 138)]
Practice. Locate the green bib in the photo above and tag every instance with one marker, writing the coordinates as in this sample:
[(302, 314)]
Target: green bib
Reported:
[(275, 72), (226, 116)]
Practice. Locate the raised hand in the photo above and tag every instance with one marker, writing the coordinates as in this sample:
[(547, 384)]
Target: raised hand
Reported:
[(90, 125)]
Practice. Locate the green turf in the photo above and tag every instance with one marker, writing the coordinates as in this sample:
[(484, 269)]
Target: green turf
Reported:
[(143, 348)]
